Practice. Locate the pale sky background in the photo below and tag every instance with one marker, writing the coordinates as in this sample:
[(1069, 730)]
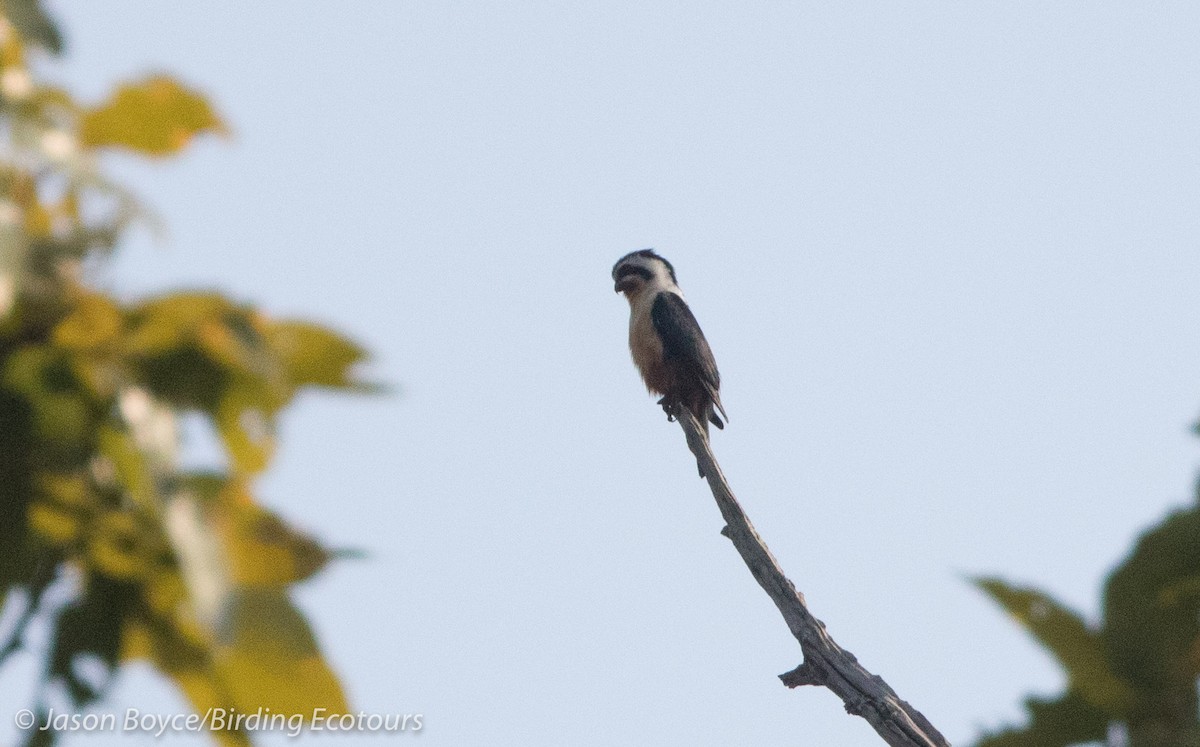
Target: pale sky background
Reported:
[(947, 254)]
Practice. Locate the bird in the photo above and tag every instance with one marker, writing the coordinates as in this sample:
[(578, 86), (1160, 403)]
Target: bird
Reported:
[(666, 341)]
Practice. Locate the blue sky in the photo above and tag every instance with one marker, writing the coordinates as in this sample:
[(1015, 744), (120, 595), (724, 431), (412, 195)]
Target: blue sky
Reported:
[(945, 253)]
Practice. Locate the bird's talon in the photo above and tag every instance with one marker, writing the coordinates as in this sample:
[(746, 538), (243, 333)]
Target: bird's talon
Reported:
[(670, 408)]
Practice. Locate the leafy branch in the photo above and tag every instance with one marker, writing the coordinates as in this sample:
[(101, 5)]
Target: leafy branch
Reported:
[(186, 571), (1135, 672)]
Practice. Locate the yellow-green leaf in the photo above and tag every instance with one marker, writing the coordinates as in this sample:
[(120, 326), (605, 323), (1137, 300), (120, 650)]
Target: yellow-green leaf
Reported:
[(44, 377), (314, 355), (233, 342), (189, 664), (67, 490), (1067, 720), (269, 658), (166, 322), (120, 548), (157, 116), (33, 24), (265, 551), (95, 322), (1064, 634), (119, 449), (54, 525), (243, 419)]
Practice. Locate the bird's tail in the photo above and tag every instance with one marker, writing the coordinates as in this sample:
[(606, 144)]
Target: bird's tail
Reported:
[(715, 399)]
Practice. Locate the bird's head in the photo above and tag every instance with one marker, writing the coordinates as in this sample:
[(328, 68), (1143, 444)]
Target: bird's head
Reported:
[(637, 271)]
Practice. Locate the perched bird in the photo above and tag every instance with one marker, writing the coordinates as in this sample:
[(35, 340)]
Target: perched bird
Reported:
[(665, 339)]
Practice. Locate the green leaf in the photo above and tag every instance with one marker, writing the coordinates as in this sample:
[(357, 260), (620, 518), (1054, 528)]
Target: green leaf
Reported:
[(194, 347), (188, 663), (132, 471), (94, 323), (171, 358), (157, 116), (1179, 592), (62, 416), (1064, 634), (1152, 621), (233, 340), (167, 322), (260, 651), (62, 507), (200, 350), (120, 547), (17, 560), (91, 625), (264, 551), (1069, 720), (184, 378), (315, 356), (14, 250), (269, 658), (33, 24), (244, 420)]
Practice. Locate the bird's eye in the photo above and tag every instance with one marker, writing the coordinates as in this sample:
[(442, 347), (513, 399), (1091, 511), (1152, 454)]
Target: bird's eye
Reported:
[(627, 270)]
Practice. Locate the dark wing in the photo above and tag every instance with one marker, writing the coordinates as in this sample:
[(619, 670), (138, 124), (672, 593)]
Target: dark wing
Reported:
[(684, 343)]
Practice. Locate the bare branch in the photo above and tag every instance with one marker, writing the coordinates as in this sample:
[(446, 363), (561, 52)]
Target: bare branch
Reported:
[(825, 662)]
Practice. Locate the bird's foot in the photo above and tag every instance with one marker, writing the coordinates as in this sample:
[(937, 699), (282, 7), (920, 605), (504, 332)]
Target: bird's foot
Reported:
[(670, 408)]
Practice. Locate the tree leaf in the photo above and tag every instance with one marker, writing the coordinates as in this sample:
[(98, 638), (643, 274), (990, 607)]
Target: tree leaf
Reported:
[(62, 507), (129, 464), (16, 436), (1151, 624), (34, 24), (1064, 634), (189, 664), (95, 322), (167, 322), (1069, 720), (157, 116), (14, 249), (244, 421), (91, 625), (62, 416), (269, 657), (264, 551), (53, 525), (120, 547), (200, 350), (314, 355), (232, 340), (265, 654)]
